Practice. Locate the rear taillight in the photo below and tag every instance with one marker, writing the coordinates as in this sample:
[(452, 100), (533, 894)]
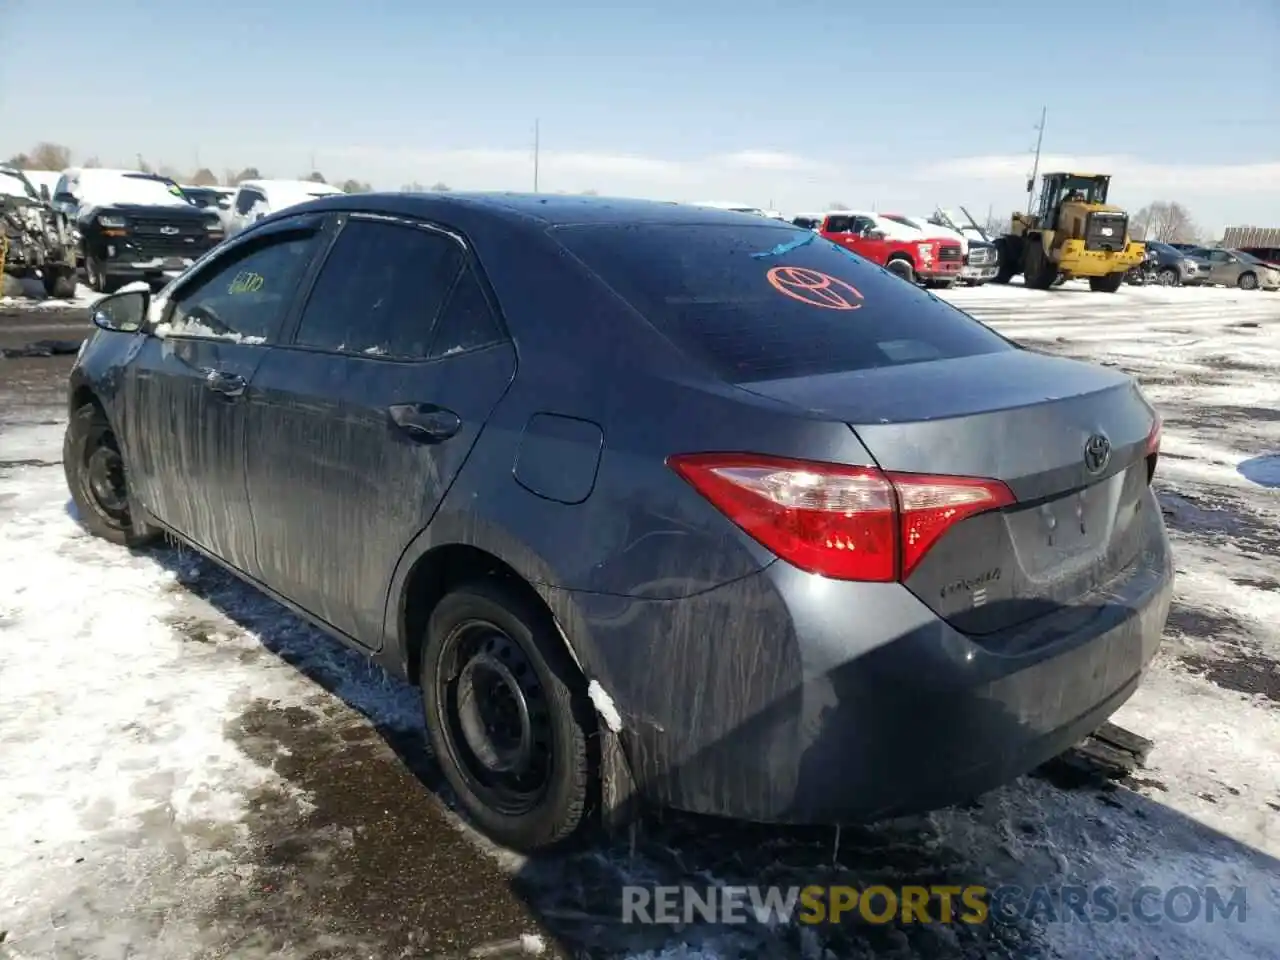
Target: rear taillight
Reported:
[(848, 523)]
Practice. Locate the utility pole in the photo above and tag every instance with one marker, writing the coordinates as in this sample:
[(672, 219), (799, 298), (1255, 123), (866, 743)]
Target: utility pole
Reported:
[(313, 162), (536, 148), (1035, 170)]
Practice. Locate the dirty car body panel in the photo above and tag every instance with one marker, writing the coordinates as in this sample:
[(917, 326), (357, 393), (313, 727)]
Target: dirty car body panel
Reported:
[(834, 549)]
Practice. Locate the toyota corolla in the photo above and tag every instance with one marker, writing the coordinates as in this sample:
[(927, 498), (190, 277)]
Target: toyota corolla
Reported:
[(658, 505)]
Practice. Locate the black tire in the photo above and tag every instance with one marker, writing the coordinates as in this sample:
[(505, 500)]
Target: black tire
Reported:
[(1009, 261), (901, 267), (1169, 277), (99, 480), (1039, 272), (96, 277), (1108, 284), (59, 286), (488, 639), (1247, 281)]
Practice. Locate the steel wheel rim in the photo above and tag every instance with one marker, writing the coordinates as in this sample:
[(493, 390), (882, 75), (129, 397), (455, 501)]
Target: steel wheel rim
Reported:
[(105, 480), (496, 719)]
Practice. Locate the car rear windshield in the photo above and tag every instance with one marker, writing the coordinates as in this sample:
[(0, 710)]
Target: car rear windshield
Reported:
[(769, 302)]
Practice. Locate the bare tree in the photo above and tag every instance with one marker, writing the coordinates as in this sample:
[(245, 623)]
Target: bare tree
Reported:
[(50, 156), (837, 205), (20, 160), (591, 193), (439, 187), (996, 226), (92, 163), (315, 176), (204, 178), (171, 172), (248, 173), (1166, 221), (355, 186)]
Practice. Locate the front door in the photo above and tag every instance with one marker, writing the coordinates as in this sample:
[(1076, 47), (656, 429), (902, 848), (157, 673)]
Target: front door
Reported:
[(187, 387), (364, 416)]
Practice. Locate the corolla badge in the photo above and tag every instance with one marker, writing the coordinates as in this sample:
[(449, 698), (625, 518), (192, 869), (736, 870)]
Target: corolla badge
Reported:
[(1097, 453), (169, 231)]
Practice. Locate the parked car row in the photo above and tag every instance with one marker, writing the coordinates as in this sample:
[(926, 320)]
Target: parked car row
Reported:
[(128, 226)]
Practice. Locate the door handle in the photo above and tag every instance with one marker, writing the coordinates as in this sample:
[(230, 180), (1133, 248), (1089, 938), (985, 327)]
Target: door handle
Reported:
[(227, 384), (424, 422)]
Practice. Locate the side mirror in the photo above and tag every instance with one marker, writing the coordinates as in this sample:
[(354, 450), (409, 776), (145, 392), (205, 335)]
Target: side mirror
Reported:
[(44, 192), (123, 312), (874, 235)]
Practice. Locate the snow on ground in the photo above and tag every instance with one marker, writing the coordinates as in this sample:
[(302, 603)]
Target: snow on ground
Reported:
[(33, 298), (186, 770)]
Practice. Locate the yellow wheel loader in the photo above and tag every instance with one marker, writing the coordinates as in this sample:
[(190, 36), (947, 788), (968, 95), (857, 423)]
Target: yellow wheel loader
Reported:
[(1073, 233)]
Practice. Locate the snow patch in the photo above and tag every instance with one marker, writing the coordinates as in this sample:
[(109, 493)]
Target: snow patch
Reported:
[(605, 706)]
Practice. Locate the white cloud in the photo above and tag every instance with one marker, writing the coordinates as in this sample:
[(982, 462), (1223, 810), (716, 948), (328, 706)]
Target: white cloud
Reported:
[(1218, 194), (1163, 179)]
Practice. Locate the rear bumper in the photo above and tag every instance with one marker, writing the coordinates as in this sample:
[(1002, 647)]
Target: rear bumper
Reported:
[(785, 697)]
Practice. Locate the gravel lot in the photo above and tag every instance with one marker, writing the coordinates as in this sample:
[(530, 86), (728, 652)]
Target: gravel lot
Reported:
[(186, 770)]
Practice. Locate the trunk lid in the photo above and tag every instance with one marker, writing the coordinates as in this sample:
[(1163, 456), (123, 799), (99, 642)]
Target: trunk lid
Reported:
[(1022, 418)]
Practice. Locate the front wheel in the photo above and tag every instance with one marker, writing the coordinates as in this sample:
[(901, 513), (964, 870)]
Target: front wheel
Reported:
[(99, 481), (1169, 277), (96, 276), (59, 286), (1248, 281), (1108, 284), (902, 268), (508, 717)]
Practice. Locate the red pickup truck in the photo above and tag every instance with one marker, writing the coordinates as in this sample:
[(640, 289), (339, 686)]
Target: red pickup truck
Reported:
[(933, 261)]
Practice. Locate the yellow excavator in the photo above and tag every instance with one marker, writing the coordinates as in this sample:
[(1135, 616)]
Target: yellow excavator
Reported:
[(1073, 233)]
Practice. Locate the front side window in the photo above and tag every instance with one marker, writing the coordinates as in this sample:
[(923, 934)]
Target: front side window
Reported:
[(380, 291), (245, 200), (243, 295)]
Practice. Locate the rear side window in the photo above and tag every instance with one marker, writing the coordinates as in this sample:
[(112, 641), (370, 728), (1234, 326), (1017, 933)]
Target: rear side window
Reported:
[(467, 322), (380, 290), (767, 302)]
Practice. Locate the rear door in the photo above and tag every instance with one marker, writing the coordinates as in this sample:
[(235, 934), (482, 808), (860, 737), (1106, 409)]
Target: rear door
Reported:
[(186, 389), (363, 418)]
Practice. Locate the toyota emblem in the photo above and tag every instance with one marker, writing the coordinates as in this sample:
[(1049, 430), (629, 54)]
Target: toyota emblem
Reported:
[(1097, 453), (169, 231)]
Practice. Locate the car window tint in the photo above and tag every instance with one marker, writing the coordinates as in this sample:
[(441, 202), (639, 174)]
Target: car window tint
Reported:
[(769, 301), (244, 295), (244, 200), (467, 321), (380, 290)]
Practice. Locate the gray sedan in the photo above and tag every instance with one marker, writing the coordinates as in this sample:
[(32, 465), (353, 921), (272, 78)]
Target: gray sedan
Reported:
[(1235, 268)]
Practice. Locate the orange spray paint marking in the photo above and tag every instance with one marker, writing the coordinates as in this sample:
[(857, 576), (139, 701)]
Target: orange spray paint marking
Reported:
[(814, 288)]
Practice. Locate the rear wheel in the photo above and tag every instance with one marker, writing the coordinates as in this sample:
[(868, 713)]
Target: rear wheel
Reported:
[(1248, 281), (902, 267), (99, 481), (1169, 277), (1108, 284), (508, 716)]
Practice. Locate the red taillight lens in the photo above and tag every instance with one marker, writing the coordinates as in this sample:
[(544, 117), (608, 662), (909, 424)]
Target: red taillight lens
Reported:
[(848, 523), (1153, 438)]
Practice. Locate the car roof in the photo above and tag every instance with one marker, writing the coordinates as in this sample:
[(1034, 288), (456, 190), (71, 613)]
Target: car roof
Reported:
[(547, 210)]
